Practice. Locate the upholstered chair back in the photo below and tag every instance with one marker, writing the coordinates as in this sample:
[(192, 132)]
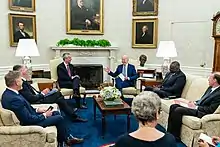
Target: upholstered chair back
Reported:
[(53, 68)]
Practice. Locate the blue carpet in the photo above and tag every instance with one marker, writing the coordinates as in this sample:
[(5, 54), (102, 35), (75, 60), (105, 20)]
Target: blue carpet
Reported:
[(91, 131)]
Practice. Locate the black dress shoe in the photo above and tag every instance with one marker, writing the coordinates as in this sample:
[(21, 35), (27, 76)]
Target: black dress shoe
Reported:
[(82, 107), (75, 109), (79, 119), (74, 140)]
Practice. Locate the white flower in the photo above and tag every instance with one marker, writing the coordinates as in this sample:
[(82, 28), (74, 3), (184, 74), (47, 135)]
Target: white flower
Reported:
[(110, 93)]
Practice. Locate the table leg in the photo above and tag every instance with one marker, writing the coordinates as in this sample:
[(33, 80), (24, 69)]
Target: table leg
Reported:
[(94, 108), (103, 125), (128, 122), (141, 86)]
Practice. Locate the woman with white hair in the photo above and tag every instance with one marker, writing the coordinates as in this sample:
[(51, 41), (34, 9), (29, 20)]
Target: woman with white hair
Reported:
[(146, 108)]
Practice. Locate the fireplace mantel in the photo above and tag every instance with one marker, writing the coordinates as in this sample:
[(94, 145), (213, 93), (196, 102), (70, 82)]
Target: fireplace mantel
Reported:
[(88, 55)]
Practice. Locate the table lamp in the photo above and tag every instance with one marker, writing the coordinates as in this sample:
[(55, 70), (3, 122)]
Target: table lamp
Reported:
[(27, 48), (167, 50)]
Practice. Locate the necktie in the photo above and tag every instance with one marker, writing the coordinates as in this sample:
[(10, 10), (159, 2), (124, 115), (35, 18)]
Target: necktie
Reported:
[(124, 71), (68, 70), (204, 96)]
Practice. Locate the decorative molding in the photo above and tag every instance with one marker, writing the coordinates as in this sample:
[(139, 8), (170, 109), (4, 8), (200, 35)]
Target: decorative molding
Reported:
[(5, 69), (199, 71)]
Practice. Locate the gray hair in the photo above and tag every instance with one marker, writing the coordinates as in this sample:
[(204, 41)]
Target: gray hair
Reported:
[(11, 77), (65, 55), (145, 106)]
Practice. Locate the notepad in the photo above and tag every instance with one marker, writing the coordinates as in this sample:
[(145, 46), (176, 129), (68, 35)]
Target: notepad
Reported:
[(206, 138), (51, 92), (121, 76)]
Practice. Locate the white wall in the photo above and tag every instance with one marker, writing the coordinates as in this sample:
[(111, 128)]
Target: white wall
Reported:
[(187, 22)]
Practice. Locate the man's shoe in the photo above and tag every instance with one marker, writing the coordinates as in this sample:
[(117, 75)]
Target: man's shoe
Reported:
[(75, 109), (76, 95), (74, 140), (79, 119), (82, 107)]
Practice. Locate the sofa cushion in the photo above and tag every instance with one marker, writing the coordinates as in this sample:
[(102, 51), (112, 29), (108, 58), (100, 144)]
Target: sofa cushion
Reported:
[(197, 89), (8, 118), (165, 105), (129, 91), (66, 91), (189, 80), (55, 106), (192, 122)]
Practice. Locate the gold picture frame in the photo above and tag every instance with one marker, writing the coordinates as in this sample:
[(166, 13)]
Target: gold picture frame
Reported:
[(145, 33), (22, 5), (19, 22), (145, 7), (84, 17)]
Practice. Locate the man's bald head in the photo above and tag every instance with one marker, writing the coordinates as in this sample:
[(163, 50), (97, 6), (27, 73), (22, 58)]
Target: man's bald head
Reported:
[(124, 59)]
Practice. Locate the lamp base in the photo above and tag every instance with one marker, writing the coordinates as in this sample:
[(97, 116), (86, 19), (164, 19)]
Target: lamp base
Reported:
[(165, 66), (27, 62)]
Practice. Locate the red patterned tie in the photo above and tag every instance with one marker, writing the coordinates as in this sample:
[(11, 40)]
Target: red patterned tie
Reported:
[(68, 70)]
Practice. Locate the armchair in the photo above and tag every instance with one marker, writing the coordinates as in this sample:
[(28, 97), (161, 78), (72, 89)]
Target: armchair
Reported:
[(53, 71)]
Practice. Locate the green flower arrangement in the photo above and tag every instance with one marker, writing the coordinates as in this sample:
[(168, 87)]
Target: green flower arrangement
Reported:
[(110, 93), (85, 43)]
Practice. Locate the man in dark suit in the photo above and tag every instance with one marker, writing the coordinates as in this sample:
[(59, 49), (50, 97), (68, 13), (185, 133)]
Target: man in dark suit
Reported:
[(34, 96), (27, 115), (208, 103), (145, 5), (22, 3), (67, 78), (127, 70), (173, 83), (81, 17), (21, 34), (144, 37)]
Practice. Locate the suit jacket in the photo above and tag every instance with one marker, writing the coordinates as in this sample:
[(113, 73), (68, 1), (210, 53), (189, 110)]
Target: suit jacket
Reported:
[(131, 73), (30, 93), (26, 114), (210, 103), (146, 39), (174, 83), (18, 36), (63, 76)]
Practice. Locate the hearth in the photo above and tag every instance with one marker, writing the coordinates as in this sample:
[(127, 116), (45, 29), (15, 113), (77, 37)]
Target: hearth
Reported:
[(91, 75)]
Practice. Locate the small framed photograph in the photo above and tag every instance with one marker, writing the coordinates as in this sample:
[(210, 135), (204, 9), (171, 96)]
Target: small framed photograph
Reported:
[(144, 33), (145, 7), (22, 5), (84, 17), (21, 27)]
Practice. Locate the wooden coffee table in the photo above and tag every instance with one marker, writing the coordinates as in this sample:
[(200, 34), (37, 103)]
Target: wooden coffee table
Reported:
[(116, 110)]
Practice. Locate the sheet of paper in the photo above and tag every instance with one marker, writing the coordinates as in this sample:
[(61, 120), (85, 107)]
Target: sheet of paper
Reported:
[(206, 138), (183, 104), (121, 76)]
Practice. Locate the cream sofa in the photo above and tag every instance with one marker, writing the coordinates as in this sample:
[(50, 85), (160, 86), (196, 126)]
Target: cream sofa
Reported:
[(14, 135), (193, 126)]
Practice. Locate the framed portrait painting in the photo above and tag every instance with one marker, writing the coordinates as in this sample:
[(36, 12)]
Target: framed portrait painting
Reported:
[(22, 5), (84, 17), (144, 33), (21, 27), (145, 7)]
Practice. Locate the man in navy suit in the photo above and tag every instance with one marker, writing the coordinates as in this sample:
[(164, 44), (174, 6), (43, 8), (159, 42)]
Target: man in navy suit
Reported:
[(207, 104), (67, 78), (34, 96), (127, 70), (27, 115), (173, 83)]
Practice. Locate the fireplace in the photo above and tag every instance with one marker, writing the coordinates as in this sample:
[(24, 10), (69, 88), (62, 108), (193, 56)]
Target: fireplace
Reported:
[(91, 75)]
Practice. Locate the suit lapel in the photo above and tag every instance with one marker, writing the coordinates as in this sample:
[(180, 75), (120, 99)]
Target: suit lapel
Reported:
[(210, 96)]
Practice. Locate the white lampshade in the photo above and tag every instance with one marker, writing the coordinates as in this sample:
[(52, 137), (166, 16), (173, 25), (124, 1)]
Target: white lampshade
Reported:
[(27, 47), (166, 49)]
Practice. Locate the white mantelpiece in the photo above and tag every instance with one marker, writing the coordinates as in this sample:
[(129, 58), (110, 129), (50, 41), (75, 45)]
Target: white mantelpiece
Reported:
[(90, 55)]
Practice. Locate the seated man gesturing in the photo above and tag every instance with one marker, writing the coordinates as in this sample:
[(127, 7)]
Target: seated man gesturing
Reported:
[(172, 84), (127, 71)]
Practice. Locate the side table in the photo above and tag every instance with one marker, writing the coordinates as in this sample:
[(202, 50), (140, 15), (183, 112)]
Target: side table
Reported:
[(149, 82)]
